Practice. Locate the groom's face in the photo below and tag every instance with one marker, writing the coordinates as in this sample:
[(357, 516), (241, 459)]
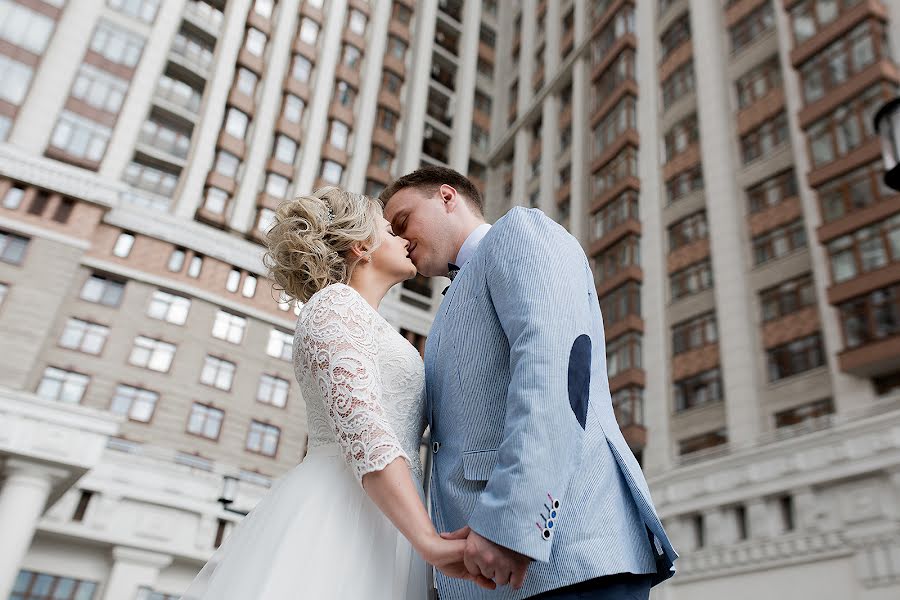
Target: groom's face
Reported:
[(424, 220)]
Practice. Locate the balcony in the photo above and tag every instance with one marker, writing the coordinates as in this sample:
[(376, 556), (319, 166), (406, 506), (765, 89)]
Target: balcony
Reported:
[(439, 107), (447, 39), (204, 16), (178, 97), (452, 8), (436, 145), (192, 54)]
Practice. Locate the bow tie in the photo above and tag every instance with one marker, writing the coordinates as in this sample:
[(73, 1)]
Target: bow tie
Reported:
[(452, 271)]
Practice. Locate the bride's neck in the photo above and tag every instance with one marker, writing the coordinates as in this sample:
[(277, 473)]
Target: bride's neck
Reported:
[(372, 286)]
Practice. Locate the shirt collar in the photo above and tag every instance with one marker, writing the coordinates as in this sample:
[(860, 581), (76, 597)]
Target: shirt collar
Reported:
[(471, 244)]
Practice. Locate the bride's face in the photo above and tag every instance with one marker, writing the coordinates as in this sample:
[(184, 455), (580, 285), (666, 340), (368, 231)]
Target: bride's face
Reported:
[(391, 257)]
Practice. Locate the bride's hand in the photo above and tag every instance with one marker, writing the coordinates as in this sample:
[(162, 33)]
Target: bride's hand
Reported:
[(447, 557)]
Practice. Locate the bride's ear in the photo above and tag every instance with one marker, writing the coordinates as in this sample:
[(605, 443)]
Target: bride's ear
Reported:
[(359, 252)]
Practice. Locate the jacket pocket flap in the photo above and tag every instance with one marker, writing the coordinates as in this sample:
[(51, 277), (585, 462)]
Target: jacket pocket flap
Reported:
[(478, 465)]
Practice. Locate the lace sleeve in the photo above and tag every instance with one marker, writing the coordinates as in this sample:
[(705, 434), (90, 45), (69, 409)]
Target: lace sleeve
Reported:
[(340, 347)]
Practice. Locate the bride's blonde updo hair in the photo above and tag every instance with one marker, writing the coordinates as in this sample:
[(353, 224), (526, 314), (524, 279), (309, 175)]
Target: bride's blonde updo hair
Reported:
[(311, 236)]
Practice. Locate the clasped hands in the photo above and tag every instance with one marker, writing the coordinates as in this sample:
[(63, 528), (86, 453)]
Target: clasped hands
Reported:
[(477, 559)]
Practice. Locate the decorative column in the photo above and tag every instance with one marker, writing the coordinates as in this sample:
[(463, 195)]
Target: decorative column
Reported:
[(22, 502), (133, 569)]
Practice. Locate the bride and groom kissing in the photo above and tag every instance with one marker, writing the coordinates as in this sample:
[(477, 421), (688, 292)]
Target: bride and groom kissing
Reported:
[(534, 491)]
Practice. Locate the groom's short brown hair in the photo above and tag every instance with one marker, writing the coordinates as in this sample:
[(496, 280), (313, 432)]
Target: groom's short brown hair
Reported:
[(429, 178)]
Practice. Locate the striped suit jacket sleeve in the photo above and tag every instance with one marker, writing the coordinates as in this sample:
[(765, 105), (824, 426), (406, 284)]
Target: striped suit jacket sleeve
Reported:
[(529, 270)]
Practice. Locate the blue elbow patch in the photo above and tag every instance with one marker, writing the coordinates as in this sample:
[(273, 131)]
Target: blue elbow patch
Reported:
[(580, 378)]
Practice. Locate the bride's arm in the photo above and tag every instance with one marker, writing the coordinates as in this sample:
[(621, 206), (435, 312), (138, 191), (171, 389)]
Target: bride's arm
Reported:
[(339, 346)]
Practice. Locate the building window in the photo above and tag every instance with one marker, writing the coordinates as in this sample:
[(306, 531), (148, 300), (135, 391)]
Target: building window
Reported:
[(758, 82), (688, 230), (681, 136), (779, 242), (280, 344), (309, 31), (339, 135), (845, 128), (152, 354), (136, 403), (234, 280), (396, 47), (772, 191), (677, 33), (263, 438), (623, 301), (617, 258), (865, 249), (285, 149), (217, 373), (151, 179), (277, 185), (124, 244), (12, 200), (205, 421), (698, 390), (614, 214), (810, 16), (685, 182), (854, 191), (84, 336), (169, 307), (227, 164), (679, 84), (229, 327), (373, 188), (764, 139), (357, 22), (117, 44), (101, 290), (41, 586), (622, 354), (795, 357), (145, 593), (12, 248), (691, 280), (752, 27), (23, 27), (195, 267), (804, 413), (62, 386), (842, 59), (293, 107), (246, 81), (255, 42), (382, 158), (694, 333), (215, 201), (99, 89), (403, 14), (331, 172), (265, 219), (620, 168), (787, 298), (619, 120), (80, 137), (144, 10), (272, 390), (301, 69), (872, 317), (628, 404), (351, 56), (697, 443), (236, 123), (264, 8)]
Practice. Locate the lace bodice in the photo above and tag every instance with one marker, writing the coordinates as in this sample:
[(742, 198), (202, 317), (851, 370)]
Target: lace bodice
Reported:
[(364, 384)]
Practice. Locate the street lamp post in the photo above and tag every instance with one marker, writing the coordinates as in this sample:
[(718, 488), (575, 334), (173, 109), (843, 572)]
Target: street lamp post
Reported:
[(229, 493), (887, 124)]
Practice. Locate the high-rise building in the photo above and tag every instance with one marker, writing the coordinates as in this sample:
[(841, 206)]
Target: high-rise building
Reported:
[(715, 158)]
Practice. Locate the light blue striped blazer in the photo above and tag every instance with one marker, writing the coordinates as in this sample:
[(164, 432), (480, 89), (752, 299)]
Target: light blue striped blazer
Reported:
[(526, 446)]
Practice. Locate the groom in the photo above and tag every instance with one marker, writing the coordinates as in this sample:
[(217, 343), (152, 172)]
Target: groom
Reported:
[(530, 466)]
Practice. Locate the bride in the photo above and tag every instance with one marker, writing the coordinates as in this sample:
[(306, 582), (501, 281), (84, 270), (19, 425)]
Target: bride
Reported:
[(349, 522)]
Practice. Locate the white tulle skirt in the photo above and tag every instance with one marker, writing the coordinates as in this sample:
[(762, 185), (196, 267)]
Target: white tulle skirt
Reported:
[(315, 535)]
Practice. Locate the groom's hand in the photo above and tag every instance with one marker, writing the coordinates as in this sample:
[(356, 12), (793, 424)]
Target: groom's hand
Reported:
[(484, 558)]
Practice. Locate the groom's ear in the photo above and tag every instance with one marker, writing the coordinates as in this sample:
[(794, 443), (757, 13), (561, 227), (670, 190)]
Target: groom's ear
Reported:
[(449, 196)]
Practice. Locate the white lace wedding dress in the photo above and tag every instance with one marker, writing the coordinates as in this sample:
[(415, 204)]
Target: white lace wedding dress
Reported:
[(316, 534)]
